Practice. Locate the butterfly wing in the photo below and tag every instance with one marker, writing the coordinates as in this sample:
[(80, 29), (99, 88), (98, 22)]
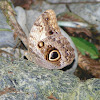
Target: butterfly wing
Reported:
[(47, 45)]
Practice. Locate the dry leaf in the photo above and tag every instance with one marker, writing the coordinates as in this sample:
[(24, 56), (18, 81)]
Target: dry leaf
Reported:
[(8, 90), (23, 3), (79, 31), (52, 97), (90, 65)]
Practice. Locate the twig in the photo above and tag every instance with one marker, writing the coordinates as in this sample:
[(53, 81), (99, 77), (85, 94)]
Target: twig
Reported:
[(10, 16)]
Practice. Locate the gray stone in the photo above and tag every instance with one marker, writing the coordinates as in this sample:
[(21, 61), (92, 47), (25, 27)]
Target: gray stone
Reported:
[(31, 16), (89, 12), (21, 19), (59, 8), (6, 37), (23, 80)]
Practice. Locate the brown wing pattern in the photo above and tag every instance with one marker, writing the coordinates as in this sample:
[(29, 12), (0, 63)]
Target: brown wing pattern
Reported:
[(46, 43)]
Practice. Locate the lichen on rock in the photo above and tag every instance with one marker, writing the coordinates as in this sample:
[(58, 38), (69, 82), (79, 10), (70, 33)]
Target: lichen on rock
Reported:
[(21, 79)]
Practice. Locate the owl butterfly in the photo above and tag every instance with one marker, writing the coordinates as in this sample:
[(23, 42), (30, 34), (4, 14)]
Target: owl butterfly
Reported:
[(47, 45)]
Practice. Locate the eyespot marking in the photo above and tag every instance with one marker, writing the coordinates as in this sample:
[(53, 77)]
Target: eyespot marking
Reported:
[(53, 55), (40, 44)]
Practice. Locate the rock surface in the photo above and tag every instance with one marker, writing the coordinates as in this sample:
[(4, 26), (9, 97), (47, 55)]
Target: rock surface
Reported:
[(6, 37), (23, 80), (89, 12)]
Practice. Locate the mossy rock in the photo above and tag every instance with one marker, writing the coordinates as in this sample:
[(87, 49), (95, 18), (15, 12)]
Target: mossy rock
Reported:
[(23, 80)]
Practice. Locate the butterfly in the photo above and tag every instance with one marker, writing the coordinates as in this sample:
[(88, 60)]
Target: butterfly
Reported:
[(47, 46)]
